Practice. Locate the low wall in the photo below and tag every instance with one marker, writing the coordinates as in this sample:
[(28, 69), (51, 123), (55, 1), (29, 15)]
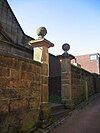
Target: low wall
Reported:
[(20, 88), (97, 82), (82, 84), (78, 84)]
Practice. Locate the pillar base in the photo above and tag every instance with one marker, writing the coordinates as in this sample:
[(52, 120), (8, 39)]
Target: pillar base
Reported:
[(68, 104), (45, 115)]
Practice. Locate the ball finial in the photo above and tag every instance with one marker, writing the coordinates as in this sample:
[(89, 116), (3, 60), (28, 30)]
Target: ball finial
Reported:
[(41, 32), (66, 47)]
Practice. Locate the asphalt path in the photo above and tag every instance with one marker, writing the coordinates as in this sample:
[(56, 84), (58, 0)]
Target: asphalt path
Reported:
[(86, 120)]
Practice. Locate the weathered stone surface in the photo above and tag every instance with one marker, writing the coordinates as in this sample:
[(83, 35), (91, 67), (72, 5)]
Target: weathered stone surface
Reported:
[(66, 81), (77, 84), (82, 84), (65, 92), (6, 93), (4, 108), (23, 82), (20, 88), (44, 69), (18, 104), (28, 120)]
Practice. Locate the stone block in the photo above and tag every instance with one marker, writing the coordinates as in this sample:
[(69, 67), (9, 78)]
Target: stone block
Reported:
[(29, 120), (70, 104), (34, 103), (44, 93), (44, 69), (44, 80), (4, 82), (65, 92), (21, 87), (4, 72), (45, 115), (23, 93), (7, 93), (4, 106), (66, 75), (65, 81), (17, 105)]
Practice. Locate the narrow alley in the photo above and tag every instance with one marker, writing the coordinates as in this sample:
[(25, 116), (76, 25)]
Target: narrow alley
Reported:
[(86, 120)]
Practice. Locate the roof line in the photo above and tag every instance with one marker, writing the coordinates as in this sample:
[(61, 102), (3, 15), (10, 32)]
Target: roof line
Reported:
[(16, 19)]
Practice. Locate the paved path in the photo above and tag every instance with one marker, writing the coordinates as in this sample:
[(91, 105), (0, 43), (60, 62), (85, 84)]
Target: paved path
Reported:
[(86, 120)]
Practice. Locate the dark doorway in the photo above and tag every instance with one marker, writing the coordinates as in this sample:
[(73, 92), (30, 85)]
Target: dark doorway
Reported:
[(54, 79)]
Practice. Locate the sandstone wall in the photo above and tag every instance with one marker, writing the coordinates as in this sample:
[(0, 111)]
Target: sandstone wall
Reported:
[(18, 50), (97, 82), (82, 84), (20, 88)]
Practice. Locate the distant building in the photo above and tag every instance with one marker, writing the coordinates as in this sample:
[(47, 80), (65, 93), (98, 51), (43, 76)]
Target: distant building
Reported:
[(90, 62)]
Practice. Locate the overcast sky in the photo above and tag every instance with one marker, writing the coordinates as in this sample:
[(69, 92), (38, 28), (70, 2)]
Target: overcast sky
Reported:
[(76, 22)]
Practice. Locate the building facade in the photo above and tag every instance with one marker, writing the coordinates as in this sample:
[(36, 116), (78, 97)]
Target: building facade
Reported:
[(89, 62)]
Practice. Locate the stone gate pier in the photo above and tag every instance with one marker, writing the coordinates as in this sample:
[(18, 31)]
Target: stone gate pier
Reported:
[(66, 86), (41, 55)]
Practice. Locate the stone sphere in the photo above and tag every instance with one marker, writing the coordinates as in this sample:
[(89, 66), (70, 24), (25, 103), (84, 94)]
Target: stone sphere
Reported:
[(66, 47), (41, 31)]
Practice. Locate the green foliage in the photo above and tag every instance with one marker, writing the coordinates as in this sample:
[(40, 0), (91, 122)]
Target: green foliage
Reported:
[(0, 3), (55, 99)]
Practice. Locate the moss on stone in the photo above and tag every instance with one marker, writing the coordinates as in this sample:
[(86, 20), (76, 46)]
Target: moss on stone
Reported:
[(28, 127)]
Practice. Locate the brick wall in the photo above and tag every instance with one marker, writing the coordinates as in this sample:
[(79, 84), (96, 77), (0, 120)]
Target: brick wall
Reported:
[(82, 84), (86, 63), (20, 88)]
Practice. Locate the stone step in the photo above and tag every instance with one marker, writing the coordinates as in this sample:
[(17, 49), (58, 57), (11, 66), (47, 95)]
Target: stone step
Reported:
[(61, 114), (59, 110)]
